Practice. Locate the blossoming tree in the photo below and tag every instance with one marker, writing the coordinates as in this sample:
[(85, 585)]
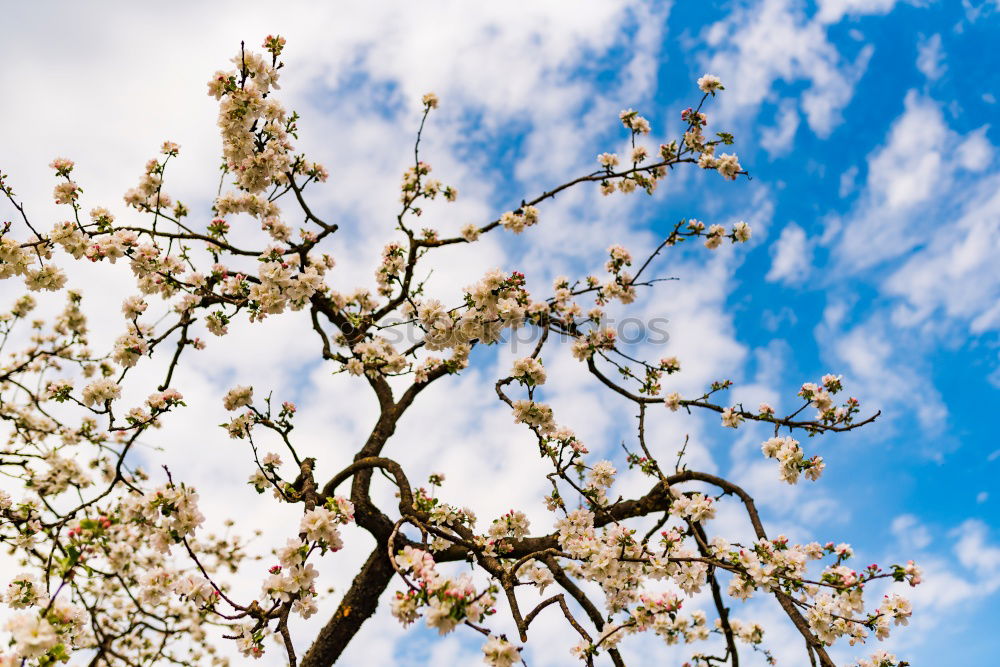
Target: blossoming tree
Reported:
[(116, 568)]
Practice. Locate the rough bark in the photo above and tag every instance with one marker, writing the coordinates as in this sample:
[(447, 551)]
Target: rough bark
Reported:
[(357, 606)]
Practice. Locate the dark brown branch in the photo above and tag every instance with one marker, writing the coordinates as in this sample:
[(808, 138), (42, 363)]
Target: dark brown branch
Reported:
[(356, 607)]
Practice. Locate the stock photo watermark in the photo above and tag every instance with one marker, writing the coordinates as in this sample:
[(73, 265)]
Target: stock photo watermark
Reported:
[(627, 331)]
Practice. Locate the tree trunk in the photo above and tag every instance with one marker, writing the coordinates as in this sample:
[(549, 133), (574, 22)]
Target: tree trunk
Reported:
[(358, 605)]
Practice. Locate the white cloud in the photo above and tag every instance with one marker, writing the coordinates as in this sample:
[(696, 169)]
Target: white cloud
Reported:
[(975, 153), (871, 354), (791, 255), (975, 11), (948, 584), (778, 140), (832, 11), (975, 554), (773, 40), (930, 57), (912, 173), (962, 251), (930, 214), (912, 535), (927, 219), (901, 174), (847, 181)]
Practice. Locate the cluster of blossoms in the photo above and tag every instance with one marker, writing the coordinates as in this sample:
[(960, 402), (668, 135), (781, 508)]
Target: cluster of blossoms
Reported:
[(714, 234), (14, 260), (47, 635), (17, 261), (791, 461), (834, 601), (620, 286), (517, 221), (130, 347), (498, 301), (281, 284), (880, 658), (820, 396), (594, 340), (445, 602), (437, 323), (165, 515), (416, 186), (110, 246), (148, 195), (601, 557), (238, 397), (536, 415), (659, 613), (505, 530), (292, 581), (695, 147), (494, 303), (751, 633), (528, 371), (320, 524), (25, 591), (101, 391), (375, 357), (66, 192), (498, 652), (255, 127), (393, 263), (693, 506), (622, 566)]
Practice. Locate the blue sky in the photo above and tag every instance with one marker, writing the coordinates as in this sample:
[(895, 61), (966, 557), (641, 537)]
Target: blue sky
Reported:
[(867, 127)]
